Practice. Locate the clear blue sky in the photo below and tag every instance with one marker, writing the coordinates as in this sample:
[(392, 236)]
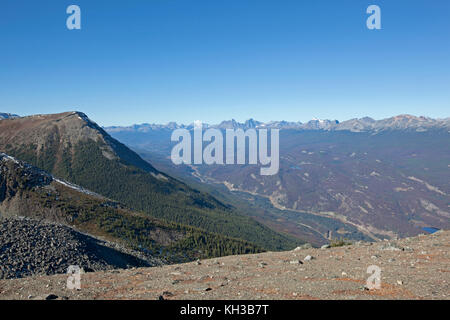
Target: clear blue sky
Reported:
[(156, 61)]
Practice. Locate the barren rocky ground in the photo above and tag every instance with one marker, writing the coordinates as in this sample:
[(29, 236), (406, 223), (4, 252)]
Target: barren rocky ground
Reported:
[(30, 247), (411, 268)]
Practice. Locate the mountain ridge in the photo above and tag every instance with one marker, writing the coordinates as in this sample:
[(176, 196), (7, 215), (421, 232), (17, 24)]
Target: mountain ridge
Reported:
[(27, 191), (365, 124), (72, 147)]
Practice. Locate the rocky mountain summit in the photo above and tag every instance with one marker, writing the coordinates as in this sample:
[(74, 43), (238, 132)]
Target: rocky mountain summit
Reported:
[(60, 134), (400, 122), (410, 268)]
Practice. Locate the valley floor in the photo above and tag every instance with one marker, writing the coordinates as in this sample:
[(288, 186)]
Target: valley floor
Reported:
[(411, 268)]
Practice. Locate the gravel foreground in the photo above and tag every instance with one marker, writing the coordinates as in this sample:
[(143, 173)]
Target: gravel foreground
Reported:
[(411, 268)]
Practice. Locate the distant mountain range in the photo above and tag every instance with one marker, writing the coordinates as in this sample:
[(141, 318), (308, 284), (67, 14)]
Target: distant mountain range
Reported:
[(401, 122), (7, 116), (356, 178)]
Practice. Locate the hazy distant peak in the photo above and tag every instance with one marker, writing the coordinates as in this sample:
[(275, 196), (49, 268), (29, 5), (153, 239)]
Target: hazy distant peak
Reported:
[(7, 115), (320, 124)]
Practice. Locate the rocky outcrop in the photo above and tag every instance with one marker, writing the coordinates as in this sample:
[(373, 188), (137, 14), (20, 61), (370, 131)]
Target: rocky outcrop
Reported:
[(30, 247), (16, 176)]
